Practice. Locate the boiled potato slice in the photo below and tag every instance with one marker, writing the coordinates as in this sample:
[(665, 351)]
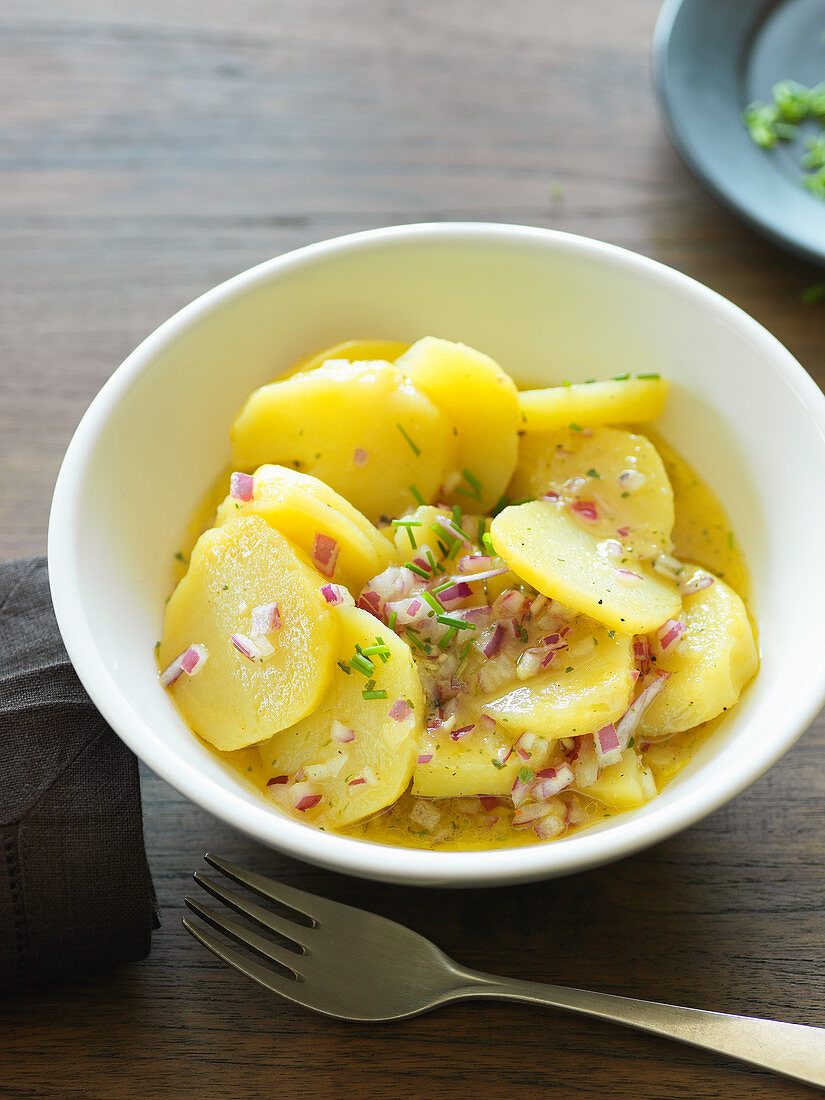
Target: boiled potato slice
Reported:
[(624, 478), (363, 428), (588, 685), (302, 507), (355, 351), (623, 785), (383, 749), (545, 545), (630, 401), (235, 701), (709, 666), (466, 767), (481, 403)]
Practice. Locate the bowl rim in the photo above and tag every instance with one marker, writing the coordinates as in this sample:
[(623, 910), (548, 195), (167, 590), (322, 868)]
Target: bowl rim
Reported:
[(345, 854)]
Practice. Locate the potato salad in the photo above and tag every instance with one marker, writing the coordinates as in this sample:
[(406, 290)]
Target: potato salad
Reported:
[(430, 609)]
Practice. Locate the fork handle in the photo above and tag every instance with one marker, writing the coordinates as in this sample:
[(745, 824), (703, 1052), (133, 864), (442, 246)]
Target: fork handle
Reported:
[(794, 1050)]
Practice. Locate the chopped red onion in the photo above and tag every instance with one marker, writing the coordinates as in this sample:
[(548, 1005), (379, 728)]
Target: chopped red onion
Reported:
[(573, 484), (487, 574), (668, 566), (395, 583), (340, 732), (360, 456), (524, 744), (641, 651), (546, 828), (612, 548), (356, 782), (245, 646), (424, 757), (587, 763), (474, 563), (529, 663), (630, 720), (526, 815), (631, 480), (325, 552), (456, 735), (538, 605), (669, 633), (241, 486), (489, 801), (265, 618), (304, 796), (520, 791), (550, 781), (697, 583), (400, 710), (622, 532), (627, 576), (277, 780), (551, 495), (478, 615), (335, 594), (503, 754), (371, 601), (509, 603), (608, 747), (191, 661), (455, 594), (487, 724), (495, 643), (585, 509)]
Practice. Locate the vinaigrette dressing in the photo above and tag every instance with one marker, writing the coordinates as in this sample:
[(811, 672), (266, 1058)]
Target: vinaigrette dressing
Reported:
[(701, 535)]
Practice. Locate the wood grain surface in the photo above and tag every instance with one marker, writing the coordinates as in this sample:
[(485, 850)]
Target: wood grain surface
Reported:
[(148, 152)]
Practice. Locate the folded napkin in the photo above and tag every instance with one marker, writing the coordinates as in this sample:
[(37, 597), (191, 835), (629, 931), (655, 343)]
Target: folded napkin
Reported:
[(75, 889)]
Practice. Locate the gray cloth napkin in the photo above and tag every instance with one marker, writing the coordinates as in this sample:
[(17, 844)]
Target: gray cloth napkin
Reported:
[(75, 891)]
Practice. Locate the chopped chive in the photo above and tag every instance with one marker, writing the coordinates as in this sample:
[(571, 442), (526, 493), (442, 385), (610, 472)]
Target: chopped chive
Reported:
[(344, 667), (482, 527), (575, 428), (179, 556), (457, 515), (380, 649), (442, 549), (417, 569), (730, 540), (594, 473), (589, 381), (526, 775), (416, 641), (463, 654), (430, 559), (443, 533), (407, 523), (472, 481), (417, 497), (454, 549), (374, 694), (433, 602), (653, 374), (501, 504), (621, 377), (459, 624), (362, 664), (487, 541), (448, 637), (567, 384), (393, 619), (415, 449)]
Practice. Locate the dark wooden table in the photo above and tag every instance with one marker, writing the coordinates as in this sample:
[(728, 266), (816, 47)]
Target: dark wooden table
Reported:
[(148, 152)]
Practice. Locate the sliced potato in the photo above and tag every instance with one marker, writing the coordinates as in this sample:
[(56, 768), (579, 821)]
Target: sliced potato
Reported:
[(630, 401), (545, 545), (355, 351), (469, 766), (622, 475), (709, 666), (481, 403), (363, 428), (302, 507), (623, 785), (588, 685), (361, 776), (235, 701)]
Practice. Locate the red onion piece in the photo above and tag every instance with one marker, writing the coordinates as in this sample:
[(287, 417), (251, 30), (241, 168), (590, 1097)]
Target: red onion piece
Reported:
[(550, 781), (669, 633), (622, 532), (487, 724), (495, 643), (573, 484), (630, 720), (520, 791), (334, 594), (489, 801), (587, 763), (340, 732), (546, 828), (474, 563), (627, 576), (631, 480), (509, 603), (325, 552), (455, 594), (356, 782), (245, 646), (304, 796), (456, 735), (641, 651), (277, 780), (241, 486), (265, 618), (191, 661), (400, 710), (608, 746), (586, 510), (371, 601), (424, 757), (526, 815), (360, 456), (551, 494), (697, 583)]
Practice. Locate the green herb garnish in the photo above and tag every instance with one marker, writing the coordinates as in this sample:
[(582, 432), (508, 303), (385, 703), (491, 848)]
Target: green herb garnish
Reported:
[(415, 449), (417, 569), (417, 497), (652, 374), (812, 294), (473, 482), (594, 473), (362, 664), (526, 775), (372, 694)]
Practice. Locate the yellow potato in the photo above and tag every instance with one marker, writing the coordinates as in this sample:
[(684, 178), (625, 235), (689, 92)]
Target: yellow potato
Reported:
[(481, 403), (383, 749), (587, 685), (545, 545), (363, 428), (302, 507), (235, 701), (631, 401), (623, 785), (355, 351), (709, 666), (472, 765), (622, 474)]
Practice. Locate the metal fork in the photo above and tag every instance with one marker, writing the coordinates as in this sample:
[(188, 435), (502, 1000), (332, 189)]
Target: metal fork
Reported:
[(353, 965)]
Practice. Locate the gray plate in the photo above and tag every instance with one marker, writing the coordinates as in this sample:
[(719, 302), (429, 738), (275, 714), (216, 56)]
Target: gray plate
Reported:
[(711, 59)]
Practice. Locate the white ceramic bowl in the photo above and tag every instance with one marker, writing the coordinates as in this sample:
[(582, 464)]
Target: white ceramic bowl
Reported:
[(548, 307)]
